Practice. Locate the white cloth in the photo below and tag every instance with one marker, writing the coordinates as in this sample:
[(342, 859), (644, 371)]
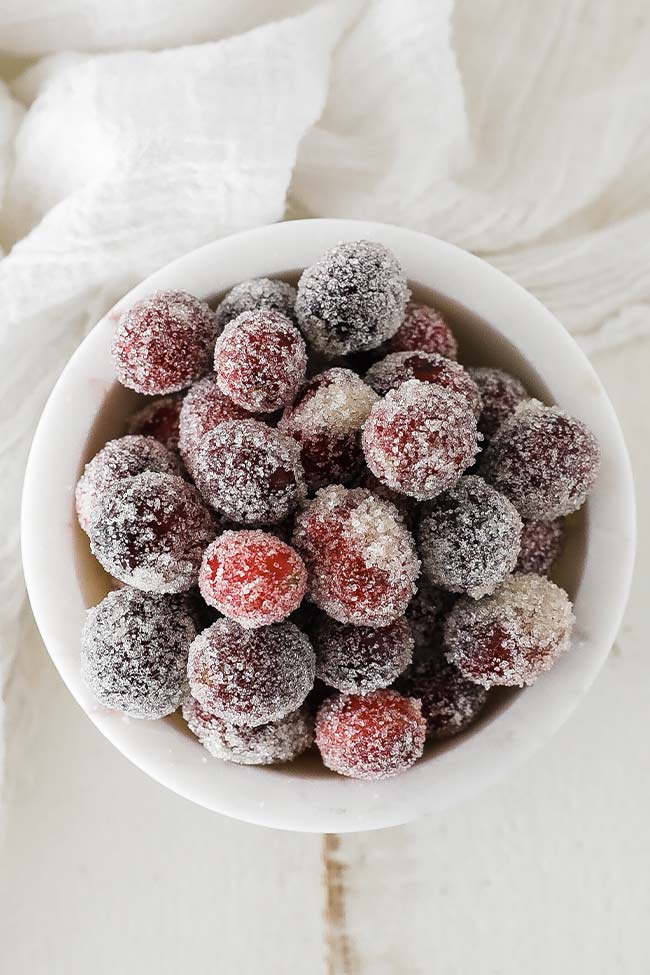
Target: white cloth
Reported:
[(516, 129)]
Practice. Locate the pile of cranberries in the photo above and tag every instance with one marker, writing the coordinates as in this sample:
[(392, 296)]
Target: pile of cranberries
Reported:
[(307, 553)]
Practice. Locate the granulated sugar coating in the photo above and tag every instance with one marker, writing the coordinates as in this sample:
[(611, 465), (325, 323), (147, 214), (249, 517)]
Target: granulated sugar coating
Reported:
[(159, 420), (326, 420), (353, 298), (250, 472), (541, 544), (252, 577), (427, 367), (361, 658), (250, 677), (150, 532), (134, 649), (120, 458), (423, 330), (254, 295), (468, 538), (511, 637), (204, 408), (544, 460), (266, 744), (260, 360), (361, 559), (370, 736), (419, 439), (449, 701), (164, 342), (406, 506), (426, 613), (501, 394)]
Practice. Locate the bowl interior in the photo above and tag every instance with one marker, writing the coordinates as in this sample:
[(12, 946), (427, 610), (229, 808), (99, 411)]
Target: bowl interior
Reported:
[(304, 795)]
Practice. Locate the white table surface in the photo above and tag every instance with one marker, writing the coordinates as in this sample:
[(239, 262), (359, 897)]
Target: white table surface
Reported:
[(103, 871)]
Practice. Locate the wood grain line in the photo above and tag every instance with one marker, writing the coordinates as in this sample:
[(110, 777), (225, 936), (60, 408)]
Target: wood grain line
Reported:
[(340, 955)]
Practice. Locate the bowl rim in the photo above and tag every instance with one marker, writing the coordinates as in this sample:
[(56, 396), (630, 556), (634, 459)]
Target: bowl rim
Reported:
[(313, 803)]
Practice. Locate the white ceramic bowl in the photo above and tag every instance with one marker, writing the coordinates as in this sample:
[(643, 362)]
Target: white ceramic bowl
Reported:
[(497, 323)]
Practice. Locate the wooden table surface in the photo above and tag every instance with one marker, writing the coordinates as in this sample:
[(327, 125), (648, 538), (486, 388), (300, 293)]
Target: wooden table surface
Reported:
[(105, 872)]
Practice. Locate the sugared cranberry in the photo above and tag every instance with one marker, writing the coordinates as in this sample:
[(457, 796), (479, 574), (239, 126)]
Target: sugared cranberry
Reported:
[(423, 330), (420, 439), (265, 744), (249, 472), (164, 342), (259, 294), (468, 538), (360, 558), (134, 651), (159, 420), (370, 736), (150, 532), (326, 420), (353, 298), (252, 577), (250, 677), (427, 367), (260, 360), (361, 658), (204, 408), (511, 637), (541, 544), (449, 701), (118, 459), (501, 394), (544, 460)]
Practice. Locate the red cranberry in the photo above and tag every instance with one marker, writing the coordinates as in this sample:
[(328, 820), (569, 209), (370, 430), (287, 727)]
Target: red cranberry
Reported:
[(250, 677), (544, 460), (260, 360), (361, 560), (423, 330), (164, 342), (361, 658), (150, 532), (249, 472), (252, 577), (420, 439), (511, 637), (370, 736)]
